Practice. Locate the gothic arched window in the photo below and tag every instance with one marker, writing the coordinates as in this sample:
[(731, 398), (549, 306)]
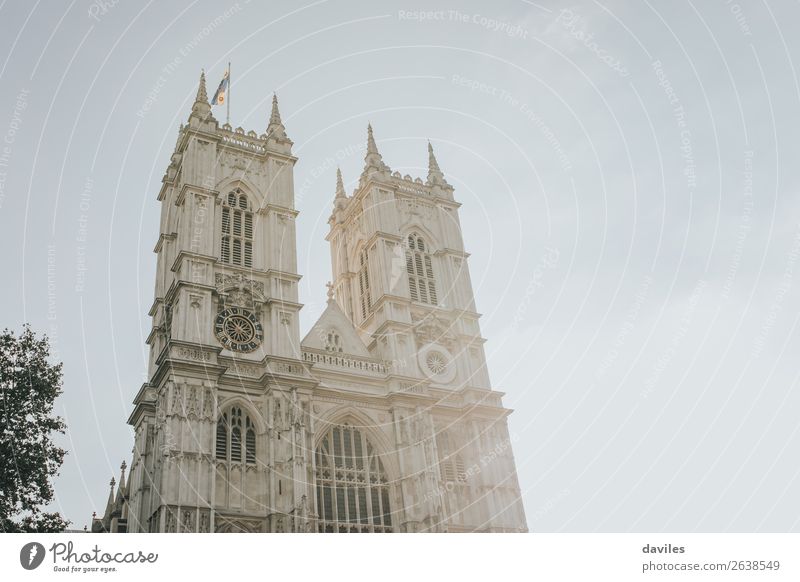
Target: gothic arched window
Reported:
[(236, 247), (364, 296), (352, 487), (421, 283), (235, 429)]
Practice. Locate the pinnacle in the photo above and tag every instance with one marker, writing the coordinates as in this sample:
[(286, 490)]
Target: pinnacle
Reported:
[(372, 148), (275, 129), (110, 502), (373, 160), (435, 175), (433, 165), (202, 96), (122, 468), (201, 108), (275, 116), (340, 193)]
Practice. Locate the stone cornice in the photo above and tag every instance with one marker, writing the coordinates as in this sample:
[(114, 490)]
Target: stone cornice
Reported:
[(199, 189), (380, 234), (282, 275), (189, 254), (451, 252), (277, 209), (161, 238)]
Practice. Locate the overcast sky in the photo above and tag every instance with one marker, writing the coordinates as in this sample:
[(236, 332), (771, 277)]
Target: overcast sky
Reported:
[(629, 179)]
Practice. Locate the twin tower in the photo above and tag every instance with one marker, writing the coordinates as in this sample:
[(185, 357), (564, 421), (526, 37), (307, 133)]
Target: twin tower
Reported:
[(381, 419)]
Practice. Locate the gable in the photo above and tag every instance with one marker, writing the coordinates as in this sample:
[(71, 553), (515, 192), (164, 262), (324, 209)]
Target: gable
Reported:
[(334, 332)]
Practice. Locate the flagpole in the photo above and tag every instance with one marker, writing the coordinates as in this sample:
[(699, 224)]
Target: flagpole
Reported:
[(228, 121)]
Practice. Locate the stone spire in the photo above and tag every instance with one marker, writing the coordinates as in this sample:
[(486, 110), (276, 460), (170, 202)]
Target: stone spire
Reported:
[(110, 503), (372, 147), (275, 129), (435, 175), (373, 162), (340, 193), (340, 200), (433, 165), (201, 108), (276, 133), (122, 468), (201, 90)]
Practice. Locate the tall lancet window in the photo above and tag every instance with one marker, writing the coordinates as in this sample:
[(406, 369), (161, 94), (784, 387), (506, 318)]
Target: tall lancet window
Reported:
[(352, 486), (421, 283), (236, 433), (364, 295), (236, 246)]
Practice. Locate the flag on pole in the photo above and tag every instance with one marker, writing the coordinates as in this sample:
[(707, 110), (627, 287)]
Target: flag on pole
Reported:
[(221, 95)]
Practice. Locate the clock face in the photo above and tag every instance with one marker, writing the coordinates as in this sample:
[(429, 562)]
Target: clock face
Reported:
[(238, 330)]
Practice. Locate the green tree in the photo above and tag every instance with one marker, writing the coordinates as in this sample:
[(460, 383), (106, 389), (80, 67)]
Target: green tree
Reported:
[(29, 459)]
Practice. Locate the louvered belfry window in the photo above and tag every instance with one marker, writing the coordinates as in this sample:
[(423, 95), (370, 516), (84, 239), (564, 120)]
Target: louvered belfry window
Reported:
[(419, 266), (352, 486), (364, 295), (236, 246), (451, 463), (235, 432)]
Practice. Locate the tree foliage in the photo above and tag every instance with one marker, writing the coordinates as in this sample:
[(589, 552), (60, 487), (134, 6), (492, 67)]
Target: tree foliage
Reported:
[(29, 458)]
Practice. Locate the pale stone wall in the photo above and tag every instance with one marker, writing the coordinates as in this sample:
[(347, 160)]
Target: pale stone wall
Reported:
[(410, 375)]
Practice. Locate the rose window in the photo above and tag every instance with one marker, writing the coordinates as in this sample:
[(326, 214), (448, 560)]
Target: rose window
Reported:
[(436, 363)]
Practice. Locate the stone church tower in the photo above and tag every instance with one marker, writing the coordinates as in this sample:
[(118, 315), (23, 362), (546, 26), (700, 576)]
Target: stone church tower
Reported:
[(382, 419)]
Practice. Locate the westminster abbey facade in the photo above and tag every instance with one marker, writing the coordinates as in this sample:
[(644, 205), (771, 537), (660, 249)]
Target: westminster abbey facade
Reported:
[(381, 419)]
